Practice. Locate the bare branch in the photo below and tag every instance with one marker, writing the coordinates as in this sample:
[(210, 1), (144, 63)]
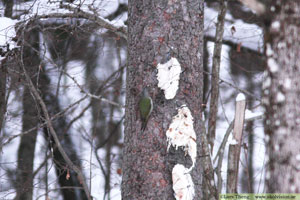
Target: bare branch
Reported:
[(45, 123), (121, 31), (234, 45), (213, 109), (54, 135), (103, 23), (92, 95), (235, 87)]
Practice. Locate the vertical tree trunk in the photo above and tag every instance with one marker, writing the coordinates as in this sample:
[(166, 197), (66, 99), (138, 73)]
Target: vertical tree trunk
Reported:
[(3, 72), (68, 179), (9, 4), (281, 98), (30, 118), (159, 30), (247, 178)]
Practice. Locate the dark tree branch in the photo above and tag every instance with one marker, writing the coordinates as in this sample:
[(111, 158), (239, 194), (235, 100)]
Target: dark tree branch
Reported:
[(213, 110), (121, 31)]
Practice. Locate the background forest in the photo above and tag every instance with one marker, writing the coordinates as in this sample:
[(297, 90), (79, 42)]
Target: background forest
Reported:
[(65, 62)]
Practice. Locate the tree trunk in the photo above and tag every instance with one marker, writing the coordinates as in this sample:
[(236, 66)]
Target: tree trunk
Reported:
[(3, 72), (68, 179), (71, 185), (30, 118), (159, 30), (281, 98)]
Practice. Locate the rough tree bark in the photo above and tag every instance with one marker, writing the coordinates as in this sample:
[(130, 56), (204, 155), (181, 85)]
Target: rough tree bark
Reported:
[(159, 30), (281, 98)]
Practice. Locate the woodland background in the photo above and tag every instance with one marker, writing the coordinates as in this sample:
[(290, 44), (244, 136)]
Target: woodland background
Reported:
[(66, 61)]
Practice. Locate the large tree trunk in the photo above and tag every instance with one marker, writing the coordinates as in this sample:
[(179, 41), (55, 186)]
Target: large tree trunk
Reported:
[(159, 30), (281, 98)]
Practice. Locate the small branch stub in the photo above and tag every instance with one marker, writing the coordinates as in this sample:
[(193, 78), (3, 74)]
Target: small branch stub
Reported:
[(168, 77), (235, 146), (239, 117)]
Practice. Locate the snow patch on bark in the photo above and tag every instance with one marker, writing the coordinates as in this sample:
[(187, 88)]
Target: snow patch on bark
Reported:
[(273, 66), (183, 185), (168, 77), (280, 97), (275, 26), (267, 83), (240, 97), (232, 141), (269, 50), (267, 138), (288, 83), (298, 157)]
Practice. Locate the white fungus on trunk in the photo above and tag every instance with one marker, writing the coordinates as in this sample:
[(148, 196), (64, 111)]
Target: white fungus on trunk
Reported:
[(183, 185), (181, 133), (168, 77)]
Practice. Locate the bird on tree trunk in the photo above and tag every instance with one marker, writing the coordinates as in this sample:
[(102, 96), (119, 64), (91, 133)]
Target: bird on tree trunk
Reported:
[(146, 107)]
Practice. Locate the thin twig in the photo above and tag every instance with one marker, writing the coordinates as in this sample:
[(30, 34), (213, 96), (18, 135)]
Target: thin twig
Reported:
[(235, 87), (92, 95), (45, 123), (120, 31)]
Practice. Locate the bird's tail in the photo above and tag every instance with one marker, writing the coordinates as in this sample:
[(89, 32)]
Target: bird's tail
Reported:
[(144, 125)]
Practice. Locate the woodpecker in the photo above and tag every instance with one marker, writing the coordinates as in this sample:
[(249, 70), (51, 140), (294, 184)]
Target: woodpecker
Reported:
[(146, 107)]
